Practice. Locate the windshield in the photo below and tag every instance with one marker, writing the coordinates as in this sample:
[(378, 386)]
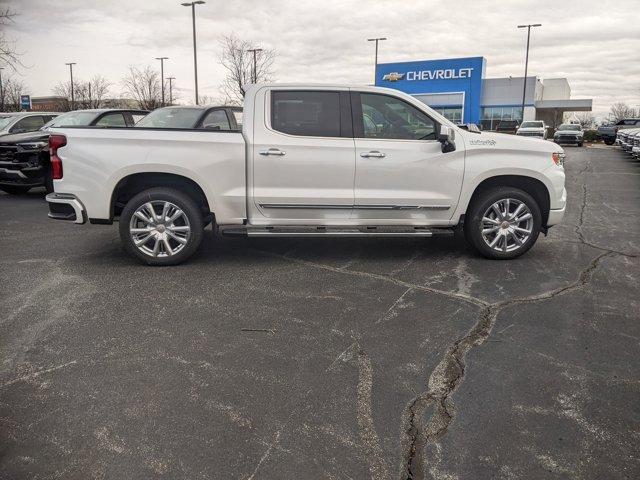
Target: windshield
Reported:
[(5, 120), (569, 127), (532, 125), (71, 119), (171, 118)]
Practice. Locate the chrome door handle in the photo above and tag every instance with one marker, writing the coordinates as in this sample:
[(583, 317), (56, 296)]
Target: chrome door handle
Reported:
[(272, 151), (374, 154)]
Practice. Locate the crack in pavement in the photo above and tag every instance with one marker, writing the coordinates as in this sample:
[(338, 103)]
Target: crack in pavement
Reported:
[(449, 373)]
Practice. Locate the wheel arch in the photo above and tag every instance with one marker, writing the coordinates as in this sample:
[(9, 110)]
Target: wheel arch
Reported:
[(533, 186), (130, 185)]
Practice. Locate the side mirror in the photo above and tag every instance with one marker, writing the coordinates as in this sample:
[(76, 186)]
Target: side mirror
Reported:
[(447, 138)]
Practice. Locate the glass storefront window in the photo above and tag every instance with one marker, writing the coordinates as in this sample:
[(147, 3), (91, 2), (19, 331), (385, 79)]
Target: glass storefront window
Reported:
[(490, 116), (453, 114)]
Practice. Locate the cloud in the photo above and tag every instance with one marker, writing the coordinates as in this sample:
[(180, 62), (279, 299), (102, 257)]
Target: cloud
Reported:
[(594, 46)]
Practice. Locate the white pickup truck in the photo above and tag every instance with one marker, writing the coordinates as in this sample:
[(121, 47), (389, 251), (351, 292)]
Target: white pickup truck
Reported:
[(310, 161)]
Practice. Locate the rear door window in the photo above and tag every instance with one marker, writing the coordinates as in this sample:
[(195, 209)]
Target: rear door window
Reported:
[(306, 113), (112, 120), (216, 120), (28, 124)]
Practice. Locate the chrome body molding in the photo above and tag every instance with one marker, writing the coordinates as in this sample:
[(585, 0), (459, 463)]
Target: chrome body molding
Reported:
[(355, 207)]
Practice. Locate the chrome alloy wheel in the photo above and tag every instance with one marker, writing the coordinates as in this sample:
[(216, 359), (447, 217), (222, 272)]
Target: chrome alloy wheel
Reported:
[(507, 225), (159, 229)]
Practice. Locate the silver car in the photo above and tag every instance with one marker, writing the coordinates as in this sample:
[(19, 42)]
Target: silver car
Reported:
[(24, 121), (569, 133)]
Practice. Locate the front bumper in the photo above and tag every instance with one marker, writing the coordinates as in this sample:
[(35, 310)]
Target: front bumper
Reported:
[(567, 139), (555, 216), (531, 134), (64, 206), (26, 177)]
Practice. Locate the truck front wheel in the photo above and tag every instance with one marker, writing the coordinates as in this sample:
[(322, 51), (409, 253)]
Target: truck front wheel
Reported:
[(161, 226), (503, 223)]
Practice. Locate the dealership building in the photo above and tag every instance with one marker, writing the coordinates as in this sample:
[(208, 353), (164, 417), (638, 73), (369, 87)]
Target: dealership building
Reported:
[(458, 89)]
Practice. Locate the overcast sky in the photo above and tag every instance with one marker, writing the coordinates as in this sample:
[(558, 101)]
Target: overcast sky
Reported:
[(595, 44)]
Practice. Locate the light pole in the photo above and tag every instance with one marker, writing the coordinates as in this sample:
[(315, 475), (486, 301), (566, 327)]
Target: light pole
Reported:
[(375, 68), (171, 89), (71, 64), (1, 92), (255, 63), (162, 59), (195, 56), (526, 62)]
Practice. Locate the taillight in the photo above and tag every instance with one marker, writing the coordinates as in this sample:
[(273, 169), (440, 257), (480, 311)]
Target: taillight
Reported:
[(55, 142)]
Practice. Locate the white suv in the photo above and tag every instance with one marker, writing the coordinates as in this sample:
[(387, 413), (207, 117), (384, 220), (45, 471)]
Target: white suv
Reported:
[(534, 128)]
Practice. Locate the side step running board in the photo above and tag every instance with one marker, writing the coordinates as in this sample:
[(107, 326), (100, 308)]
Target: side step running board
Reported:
[(383, 231)]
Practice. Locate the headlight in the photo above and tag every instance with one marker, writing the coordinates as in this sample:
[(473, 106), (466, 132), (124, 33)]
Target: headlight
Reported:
[(33, 145), (558, 158)]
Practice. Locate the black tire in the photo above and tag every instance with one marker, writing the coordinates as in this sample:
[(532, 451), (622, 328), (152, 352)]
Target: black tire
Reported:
[(609, 142), (580, 144), (180, 200), (15, 190), (473, 223)]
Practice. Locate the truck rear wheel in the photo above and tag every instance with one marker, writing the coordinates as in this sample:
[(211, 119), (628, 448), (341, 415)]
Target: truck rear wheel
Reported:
[(503, 223), (161, 226)]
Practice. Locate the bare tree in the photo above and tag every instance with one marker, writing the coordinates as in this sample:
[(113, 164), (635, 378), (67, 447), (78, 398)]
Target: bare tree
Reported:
[(91, 93), (586, 120), (143, 85), (62, 90), (8, 53), (620, 111), (10, 94), (238, 62)]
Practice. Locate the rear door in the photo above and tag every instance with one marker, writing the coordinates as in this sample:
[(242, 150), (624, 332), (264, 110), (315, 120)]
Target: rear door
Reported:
[(303, 157), (402, 175)]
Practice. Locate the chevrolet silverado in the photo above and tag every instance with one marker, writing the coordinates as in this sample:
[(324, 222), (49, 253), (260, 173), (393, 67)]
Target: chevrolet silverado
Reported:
[(310, 161)]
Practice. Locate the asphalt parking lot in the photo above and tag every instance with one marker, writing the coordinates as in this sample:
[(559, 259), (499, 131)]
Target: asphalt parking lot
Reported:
[(326, 358)]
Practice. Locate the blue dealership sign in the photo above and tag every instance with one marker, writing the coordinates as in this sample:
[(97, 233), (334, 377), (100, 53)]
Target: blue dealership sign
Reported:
[(451, 76), (25, 102)]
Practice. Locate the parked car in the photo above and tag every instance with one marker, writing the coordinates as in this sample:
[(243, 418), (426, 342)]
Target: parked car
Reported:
[(635, 150), (195, 117), (626, 139), (308, 164), (23, 121), (24, 157), (569, 133), (608, 133), (634, 141), (534, 128), (507, 126)]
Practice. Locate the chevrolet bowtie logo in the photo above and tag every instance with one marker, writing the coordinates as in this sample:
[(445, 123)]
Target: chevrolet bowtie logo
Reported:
[(393, 76)]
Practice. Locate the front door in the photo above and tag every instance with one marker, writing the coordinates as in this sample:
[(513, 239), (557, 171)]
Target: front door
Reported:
[(402, 176), (304, 158)]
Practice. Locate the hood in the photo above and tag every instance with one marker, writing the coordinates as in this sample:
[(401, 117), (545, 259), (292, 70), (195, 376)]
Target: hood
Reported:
[(502, 141), (14, 138)]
